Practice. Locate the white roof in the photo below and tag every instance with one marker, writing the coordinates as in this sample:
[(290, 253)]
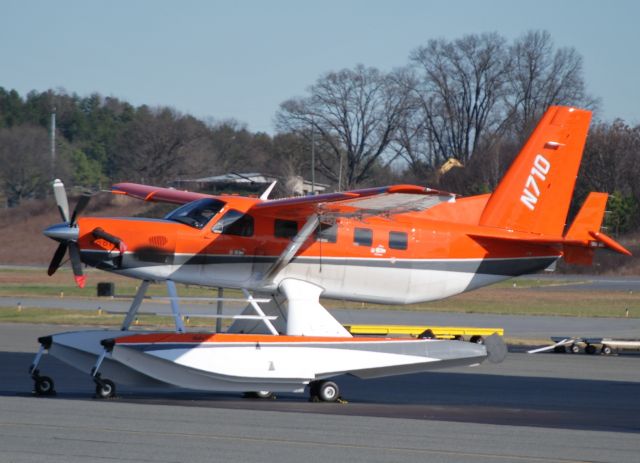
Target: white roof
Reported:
[(241, 177)]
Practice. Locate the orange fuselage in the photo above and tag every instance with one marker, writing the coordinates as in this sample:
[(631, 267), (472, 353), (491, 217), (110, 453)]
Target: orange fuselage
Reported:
[(354, 262)]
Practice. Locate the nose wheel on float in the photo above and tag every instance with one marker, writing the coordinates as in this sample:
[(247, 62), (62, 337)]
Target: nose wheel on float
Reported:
[(105, 388), (42, 385)]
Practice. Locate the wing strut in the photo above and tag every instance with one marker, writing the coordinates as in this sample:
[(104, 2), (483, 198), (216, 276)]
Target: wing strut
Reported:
[(175, 309), (135, 305), (290, 251)]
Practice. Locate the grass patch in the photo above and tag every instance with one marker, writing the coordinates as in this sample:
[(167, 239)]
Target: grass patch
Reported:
[(36, 315), (34, 282), (523, 301), (511, 297)]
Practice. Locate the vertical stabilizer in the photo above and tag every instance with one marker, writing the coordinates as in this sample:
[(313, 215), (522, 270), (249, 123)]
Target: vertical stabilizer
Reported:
[(535, 193)]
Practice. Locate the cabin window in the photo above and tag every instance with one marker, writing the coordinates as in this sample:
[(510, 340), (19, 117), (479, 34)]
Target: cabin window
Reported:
[(398, 240), (196, 213), (327, 233), (234, 223), (285, 228), (363, 236)]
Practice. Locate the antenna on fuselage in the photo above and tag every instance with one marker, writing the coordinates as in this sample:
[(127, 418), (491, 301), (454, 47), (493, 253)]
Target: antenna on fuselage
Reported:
[(52, 139), (265, 196)]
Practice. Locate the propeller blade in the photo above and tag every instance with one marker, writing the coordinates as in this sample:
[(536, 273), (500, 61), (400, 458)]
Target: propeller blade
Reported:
[(82, 204), (57, 258), (76, 264), (61, 199)]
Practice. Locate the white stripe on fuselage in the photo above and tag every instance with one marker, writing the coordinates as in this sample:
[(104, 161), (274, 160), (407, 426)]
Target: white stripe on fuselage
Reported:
[(391, 283)]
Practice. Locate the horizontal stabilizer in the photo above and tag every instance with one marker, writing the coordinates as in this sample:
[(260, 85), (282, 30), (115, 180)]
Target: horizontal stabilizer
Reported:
[(610, 243), (584, 234), (599, 239)]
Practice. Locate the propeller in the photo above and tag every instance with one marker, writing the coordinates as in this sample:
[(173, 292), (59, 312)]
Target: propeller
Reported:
[(67, 233)]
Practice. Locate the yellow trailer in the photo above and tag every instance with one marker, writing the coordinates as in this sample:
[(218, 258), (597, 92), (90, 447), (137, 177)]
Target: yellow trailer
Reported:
[(462, 333)]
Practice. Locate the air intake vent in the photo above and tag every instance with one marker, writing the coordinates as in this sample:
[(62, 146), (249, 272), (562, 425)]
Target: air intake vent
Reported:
[(158, 241)]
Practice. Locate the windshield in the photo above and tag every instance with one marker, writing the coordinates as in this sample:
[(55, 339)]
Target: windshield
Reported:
[(196, 213)]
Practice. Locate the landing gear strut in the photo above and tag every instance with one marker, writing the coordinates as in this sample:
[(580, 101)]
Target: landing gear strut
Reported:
[(105, 388)]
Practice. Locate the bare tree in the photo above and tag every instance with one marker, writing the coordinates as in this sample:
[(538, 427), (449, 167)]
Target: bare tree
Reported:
[(461, 84), (291, 155), (355, 113), (540, 77), (161, 145), (611, 159), (237, 149), (611, 164)]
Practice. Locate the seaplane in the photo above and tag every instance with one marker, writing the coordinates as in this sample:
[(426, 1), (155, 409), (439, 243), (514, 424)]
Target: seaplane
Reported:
[(398, 244)]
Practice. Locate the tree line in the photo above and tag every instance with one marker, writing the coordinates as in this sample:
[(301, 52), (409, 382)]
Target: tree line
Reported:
[(452, 118)]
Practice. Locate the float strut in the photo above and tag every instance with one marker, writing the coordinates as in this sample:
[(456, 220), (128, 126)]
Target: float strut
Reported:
[(135, 305)]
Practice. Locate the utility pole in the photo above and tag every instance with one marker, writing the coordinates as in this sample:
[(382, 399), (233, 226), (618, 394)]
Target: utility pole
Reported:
[(340, 173), (313, 159), (53, 141)]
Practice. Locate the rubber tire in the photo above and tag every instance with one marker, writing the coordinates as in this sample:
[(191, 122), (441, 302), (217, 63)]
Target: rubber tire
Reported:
[(259, 395), (477, 340), (106, 389), (328, 391), (606, 350), (44, 386), (590, 349), (574, 348)]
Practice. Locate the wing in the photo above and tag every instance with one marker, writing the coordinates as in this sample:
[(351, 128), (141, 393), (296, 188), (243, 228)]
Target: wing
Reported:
[(156, 194), (388, 200)]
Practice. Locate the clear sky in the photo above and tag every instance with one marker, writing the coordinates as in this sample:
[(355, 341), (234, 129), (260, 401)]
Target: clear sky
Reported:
[(241, 59)]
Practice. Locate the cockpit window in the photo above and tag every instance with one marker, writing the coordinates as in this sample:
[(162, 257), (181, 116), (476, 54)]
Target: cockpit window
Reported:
[(196, 213)]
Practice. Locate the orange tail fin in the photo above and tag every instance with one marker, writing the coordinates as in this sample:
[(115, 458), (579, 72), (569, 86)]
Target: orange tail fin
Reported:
[(535, 193)]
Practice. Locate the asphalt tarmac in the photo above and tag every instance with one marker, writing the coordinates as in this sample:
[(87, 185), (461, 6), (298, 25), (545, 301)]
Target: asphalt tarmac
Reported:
[(531, 408)]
